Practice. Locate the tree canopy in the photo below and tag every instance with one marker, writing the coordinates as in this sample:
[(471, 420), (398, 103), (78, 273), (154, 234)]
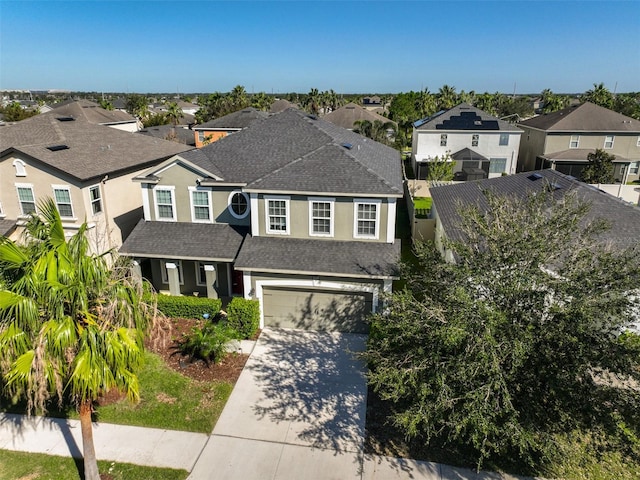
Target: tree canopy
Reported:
[(518, 339), (600, 167)]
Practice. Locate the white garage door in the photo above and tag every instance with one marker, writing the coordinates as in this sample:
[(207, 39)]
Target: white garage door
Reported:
[(311, 309)]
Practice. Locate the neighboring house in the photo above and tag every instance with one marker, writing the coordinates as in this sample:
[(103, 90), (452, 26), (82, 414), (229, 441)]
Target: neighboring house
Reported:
[(347, 115), (86, 168), (448, 199), (562, 141), (281, 105), (170, 132), (218, 128), (482, 146), (293, 211), (94, 113)]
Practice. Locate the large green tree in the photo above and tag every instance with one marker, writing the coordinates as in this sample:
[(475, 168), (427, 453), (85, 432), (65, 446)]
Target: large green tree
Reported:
[(600, 95), (600, 168), (71, 326), (377, 130), (518, 338)]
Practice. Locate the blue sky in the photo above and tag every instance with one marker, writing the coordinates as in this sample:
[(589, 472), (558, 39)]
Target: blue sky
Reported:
[(351, 47)]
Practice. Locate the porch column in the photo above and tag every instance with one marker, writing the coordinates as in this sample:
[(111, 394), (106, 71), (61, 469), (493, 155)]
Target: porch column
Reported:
[(136, 272), (174, 279), (210, 274)]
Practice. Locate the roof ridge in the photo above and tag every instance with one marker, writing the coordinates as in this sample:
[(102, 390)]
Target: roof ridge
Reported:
[(368, 168)]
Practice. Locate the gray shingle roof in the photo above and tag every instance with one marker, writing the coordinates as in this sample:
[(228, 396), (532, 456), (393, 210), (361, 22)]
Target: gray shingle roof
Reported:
[(318, 257), (468, 155), (625, 219), (291, 151), (94, 150), (92, 112), (6, 226), (464, 117), (183, 135), (577, 154), (240, 119), (347, 115), (197, 241), (586, 117), (281, 105)]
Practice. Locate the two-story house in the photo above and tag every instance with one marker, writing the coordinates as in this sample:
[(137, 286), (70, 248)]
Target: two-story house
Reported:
[(482, 146), (563, 140), (86, 168), (292, 210)]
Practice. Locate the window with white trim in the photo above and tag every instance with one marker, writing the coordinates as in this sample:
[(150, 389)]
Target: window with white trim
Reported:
[(575, 141), (475, 139), (200, 136), (321, 217), (165, 204), (504, 139), (238, 204), (277, 215), (200, 205), (443, 140), (95, 197), (638, 142), (367, 218), (633, 168), (497, 165), (608, 141), (26, 198), (165, 275), (1, 211), (62, 196), (20, 168)]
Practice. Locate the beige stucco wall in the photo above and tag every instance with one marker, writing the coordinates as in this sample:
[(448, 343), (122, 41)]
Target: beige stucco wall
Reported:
[(625, 146), (343, 223), (532, 144)]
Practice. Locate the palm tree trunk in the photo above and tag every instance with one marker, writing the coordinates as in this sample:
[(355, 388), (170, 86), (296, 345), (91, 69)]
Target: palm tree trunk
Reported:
[(88, 450)]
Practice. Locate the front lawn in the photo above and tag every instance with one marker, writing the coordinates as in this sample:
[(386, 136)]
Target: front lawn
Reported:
[(37, 466), (422, 203)]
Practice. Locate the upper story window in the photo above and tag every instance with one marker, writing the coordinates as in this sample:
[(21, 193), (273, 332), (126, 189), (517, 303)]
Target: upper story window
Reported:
[(62, 196), (608, 141), (238, 204), (504, 139), (575, 141), (95, 197), (475, 138), (443, 140), (200, 205), (367, 218), (19, 165), (321, 217), (165, 204), (277, 214), (27, 199), (200, 136)]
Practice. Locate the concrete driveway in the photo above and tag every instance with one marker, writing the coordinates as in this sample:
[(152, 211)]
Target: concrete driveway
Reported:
[(297, 411)]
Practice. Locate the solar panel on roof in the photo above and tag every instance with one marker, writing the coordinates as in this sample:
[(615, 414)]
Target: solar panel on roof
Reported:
[(534, 176), (348, 146), (419, 123)]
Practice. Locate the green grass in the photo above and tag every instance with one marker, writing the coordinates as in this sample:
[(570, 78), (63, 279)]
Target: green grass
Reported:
[(170, 400), (422, 203), (37, 466)]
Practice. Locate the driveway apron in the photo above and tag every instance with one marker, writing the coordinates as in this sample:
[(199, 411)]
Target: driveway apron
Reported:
[(297, 411)]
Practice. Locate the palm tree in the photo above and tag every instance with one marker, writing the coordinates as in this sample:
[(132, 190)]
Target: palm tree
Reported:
[(71, 326), (312, 102), (174, 112), (426, 103), (238, 97), (600, 95), (377, 130), (261, 101), (447, 97)]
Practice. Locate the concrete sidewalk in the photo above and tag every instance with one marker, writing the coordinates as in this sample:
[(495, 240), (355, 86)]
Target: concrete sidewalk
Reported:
[(142, 446)]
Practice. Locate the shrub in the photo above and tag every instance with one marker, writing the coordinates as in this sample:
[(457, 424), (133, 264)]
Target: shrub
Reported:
[(188, 307), (207, 343), (243, 316)]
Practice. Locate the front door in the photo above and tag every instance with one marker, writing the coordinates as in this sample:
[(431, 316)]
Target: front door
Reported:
[(237, 282)]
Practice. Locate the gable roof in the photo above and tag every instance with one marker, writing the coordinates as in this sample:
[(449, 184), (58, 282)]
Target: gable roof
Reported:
[(93, 150), (293, 151), (585, 117), (240, 119), (624, 218), (281, 105), (347, 115), (92, 112), (464, 117), (182, 135)]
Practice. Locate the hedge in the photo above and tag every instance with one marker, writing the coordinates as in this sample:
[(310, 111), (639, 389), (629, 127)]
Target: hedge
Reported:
[(243, 316), (188, 307)]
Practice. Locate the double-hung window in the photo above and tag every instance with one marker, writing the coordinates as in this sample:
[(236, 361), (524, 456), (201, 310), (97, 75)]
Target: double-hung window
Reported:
[(633, 168), (95, 197), (62, 196), (27, 199), (367, 218), (475, 139), (497, 165), (608, 141), (443, 140), (277, 214), (321, 217), (165, 204), (504, 139), (200, 205), (575, 141)]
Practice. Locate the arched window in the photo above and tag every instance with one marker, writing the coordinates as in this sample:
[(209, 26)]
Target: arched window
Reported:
[(20, 168), (238, 204)]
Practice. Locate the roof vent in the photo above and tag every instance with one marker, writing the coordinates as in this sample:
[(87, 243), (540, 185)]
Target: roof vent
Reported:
[(348, 146), (534, 176), (312, 117), (56, 148), (66, 119), (554, 186)]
